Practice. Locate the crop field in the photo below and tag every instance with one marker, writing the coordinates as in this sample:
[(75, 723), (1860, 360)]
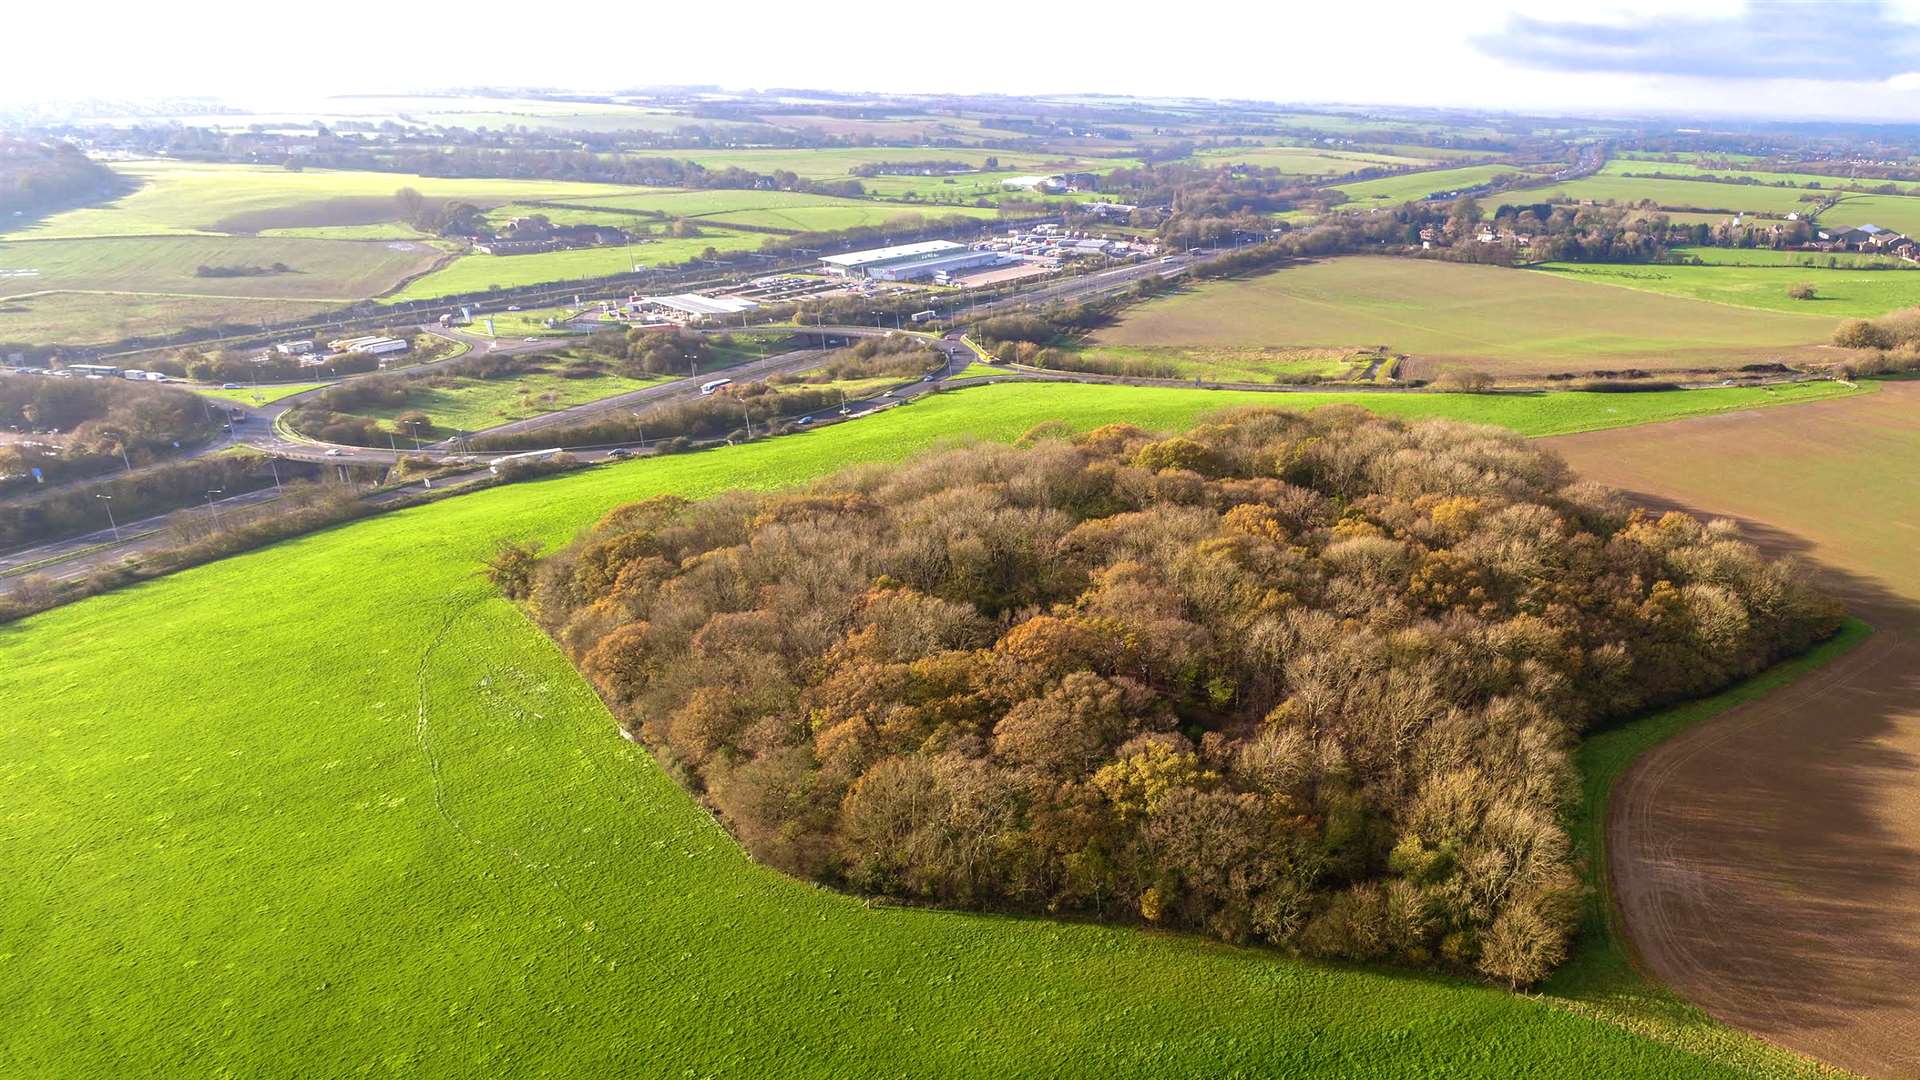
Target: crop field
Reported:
[(83, 318), (336, 270), (1793, 179), (1786, 903), (1304, 160), (424, 849), (1394, 190), (478, 273), (182, 197), (1458, 316), (1841, 294)]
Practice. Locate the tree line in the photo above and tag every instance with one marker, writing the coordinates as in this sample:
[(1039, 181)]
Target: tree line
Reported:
[(1311, 680), (94, 426), (38, 177)]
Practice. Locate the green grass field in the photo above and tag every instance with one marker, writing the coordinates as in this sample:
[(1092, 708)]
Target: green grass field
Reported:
[(1813, 181), (977, 370), (258, 395), (478, 273), (1452, 315), (1840, 293), (474, 404), (1681, 193), (333, 270), (79, 318), (795, 210), (1842, 260), (1235, 363), (422, 848), (1305, 160), (385, 230), (185, 197), (1394, 190)]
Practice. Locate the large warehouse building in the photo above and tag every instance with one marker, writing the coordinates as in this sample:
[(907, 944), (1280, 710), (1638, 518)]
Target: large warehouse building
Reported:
[(909, 262)]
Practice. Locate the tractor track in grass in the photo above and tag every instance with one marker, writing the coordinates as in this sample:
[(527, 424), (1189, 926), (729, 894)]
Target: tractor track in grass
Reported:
[(423, 733), (1766, 863)]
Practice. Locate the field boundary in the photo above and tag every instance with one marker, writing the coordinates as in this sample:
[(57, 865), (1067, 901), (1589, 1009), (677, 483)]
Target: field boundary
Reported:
[(1605, 978), (1614, 282)]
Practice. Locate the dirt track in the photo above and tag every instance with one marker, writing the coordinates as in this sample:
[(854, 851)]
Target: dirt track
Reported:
[(1768, 862)]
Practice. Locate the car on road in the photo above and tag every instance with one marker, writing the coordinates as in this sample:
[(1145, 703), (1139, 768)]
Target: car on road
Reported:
[(335, 452), (930, 376), (529, 339), (230, 386), (619, 452), (803, 421)]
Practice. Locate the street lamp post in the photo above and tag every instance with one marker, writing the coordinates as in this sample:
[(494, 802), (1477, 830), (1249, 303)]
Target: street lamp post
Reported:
[(212, 509), (114, 525), (274, 464)]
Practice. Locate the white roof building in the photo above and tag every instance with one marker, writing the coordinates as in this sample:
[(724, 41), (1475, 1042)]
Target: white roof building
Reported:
[(696, 304), (854, 261)]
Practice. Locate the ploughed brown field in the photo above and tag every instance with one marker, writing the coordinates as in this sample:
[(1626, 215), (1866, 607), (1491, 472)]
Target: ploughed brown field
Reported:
[(1768, 862)]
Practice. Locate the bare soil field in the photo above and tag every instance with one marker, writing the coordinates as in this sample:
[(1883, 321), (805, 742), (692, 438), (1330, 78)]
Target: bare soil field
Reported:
[(1767, 863), (1453, 316)]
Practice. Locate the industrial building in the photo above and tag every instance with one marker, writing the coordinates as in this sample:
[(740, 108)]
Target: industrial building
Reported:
[(909, 262), (377, 344), (693, 306)]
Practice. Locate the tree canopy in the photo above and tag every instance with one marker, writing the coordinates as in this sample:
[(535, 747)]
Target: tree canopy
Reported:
[(1305, 679)]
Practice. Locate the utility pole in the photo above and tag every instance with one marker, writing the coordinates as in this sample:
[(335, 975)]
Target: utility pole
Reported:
[(123, 456), (114, 525)]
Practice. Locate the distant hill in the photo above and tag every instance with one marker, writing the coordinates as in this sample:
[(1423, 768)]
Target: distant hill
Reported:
[(37, 178)]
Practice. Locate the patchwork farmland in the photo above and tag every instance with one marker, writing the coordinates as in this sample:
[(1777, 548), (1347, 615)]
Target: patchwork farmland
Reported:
[(1447, 316)]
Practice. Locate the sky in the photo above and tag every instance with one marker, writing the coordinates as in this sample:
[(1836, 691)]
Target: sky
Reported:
[(1742, 58)]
